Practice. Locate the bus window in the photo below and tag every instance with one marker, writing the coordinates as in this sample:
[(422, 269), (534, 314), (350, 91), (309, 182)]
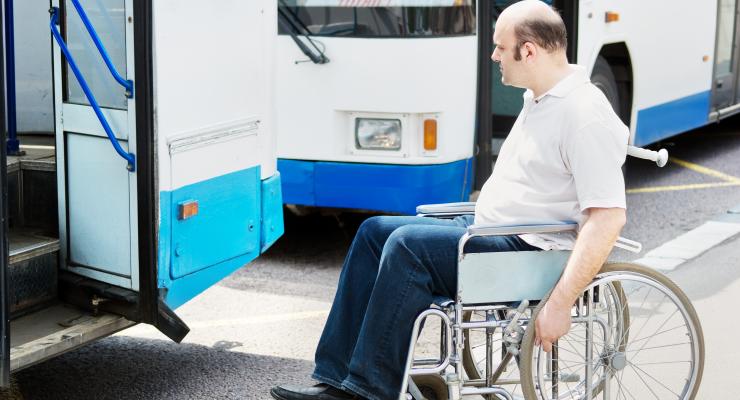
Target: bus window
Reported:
[(399, 19), (110, 18)]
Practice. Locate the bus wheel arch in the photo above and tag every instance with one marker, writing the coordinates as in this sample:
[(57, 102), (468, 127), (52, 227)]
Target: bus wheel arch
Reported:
[(613, 66)]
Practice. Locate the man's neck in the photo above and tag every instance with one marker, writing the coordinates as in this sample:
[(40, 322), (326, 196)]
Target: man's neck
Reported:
[(547, 81)]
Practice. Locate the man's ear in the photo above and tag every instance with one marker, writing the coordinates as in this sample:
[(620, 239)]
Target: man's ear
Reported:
[(529, 51)]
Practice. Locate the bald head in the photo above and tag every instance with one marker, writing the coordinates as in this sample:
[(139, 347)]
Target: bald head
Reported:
[(529, 9), (536, 22)]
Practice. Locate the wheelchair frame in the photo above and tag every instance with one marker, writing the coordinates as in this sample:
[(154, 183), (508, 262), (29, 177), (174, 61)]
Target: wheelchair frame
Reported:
[(549, 266), (454, 329)]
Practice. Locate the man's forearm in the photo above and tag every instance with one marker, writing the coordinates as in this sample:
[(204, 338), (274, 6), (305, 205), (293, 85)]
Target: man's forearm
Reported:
[(594, 243)]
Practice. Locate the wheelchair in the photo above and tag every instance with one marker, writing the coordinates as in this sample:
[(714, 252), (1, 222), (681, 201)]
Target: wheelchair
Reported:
[(634, 333)]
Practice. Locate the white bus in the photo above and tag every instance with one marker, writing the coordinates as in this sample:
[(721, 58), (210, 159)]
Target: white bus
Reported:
[(401, 104), (158, 180)]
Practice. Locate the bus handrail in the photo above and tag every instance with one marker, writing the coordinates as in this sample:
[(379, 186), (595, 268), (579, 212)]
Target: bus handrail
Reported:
[(129, 157), (126, 83), (660, 157)]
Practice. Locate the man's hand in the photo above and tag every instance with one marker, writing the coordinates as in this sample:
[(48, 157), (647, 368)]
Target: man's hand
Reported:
[(551, 324)]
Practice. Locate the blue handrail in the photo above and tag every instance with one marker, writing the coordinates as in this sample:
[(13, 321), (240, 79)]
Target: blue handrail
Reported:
[(128, 84), (88, 93)]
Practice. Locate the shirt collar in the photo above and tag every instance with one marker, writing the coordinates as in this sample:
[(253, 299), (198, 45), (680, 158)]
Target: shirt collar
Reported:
[(576, 78)]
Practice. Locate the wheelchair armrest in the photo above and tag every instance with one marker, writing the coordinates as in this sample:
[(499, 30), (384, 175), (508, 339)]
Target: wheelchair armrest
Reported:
[(445, 209), (504, 230)]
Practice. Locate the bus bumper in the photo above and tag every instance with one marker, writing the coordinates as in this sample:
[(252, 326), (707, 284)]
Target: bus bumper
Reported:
[(241, 216), (377, 187)]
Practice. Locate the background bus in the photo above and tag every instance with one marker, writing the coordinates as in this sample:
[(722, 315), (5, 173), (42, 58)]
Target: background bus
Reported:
[(410, 109), (158, 180)]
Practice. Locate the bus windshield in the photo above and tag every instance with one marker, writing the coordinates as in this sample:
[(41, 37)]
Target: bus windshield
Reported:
[(380, 18)]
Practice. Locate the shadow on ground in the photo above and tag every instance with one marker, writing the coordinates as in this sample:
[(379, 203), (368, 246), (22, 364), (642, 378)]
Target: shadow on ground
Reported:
[(306, 261), (164, 370)]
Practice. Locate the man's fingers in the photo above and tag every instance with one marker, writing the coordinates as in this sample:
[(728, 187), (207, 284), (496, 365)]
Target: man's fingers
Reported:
[(547, 346)]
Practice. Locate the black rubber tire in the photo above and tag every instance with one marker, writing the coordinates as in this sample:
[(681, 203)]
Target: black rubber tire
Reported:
[(603, 78), (433, 387), (528, 348)]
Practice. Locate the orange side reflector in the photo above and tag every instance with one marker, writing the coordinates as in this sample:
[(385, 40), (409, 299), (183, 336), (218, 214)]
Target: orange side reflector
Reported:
[(430, 134), (187, 209), (612, 16)]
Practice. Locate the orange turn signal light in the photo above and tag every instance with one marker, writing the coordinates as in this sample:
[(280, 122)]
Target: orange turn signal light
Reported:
[(430, 134), (611, 16), (187, 209)]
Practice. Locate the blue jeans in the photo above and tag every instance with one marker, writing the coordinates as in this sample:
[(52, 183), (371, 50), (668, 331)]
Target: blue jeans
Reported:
[(394, 268)]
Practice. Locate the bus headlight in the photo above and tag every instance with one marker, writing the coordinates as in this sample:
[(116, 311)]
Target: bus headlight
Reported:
[(378, 134)]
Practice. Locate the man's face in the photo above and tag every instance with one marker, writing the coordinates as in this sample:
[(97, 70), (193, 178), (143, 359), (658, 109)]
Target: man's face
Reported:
[(504, 54)]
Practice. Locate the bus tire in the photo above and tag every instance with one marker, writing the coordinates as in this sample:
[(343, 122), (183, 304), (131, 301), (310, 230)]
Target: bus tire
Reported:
[(602, 77)]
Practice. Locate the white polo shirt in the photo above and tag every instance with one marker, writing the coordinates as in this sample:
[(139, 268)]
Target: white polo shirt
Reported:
[(563, 155)]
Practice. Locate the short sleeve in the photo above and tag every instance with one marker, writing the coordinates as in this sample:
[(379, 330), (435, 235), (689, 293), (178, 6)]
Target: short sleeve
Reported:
[(595, 155)]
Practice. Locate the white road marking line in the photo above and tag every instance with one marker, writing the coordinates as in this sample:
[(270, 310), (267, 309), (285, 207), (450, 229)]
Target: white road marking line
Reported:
[(148, 331), (259, 319), (691, 244)]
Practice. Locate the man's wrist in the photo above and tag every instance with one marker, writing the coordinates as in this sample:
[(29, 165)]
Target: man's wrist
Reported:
[(558, 302)]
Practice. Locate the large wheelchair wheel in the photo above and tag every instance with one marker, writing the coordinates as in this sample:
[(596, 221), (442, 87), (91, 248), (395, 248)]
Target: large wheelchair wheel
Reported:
[(608, 307), (659, 355)]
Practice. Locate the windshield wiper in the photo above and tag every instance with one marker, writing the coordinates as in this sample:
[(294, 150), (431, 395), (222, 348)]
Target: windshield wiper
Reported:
[(288, 24)]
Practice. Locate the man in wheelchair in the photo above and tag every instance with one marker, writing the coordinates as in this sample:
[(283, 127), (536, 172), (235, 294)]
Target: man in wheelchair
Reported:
[(561, 162)]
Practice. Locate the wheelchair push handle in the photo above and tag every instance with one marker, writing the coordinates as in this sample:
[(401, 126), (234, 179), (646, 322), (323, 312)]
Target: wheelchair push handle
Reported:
[(660, 157)]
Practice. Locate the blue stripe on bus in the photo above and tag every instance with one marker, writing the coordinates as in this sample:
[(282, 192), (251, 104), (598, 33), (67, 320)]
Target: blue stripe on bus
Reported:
[(239, 217), (668, 119), (378, 187)]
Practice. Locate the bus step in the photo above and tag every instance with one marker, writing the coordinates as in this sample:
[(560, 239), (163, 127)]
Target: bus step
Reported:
[(32, 271), (32, 190), (54, 330)]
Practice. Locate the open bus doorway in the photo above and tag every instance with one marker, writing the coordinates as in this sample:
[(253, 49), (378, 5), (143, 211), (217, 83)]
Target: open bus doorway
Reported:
[(47, 308), (726, 85), (123, 217)]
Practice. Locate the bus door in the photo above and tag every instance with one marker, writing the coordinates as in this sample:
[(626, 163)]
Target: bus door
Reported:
[(725, 84), (4, 306), (96, 139), (99, 194)]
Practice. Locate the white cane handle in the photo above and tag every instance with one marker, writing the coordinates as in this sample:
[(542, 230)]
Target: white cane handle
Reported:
[(660, 157)]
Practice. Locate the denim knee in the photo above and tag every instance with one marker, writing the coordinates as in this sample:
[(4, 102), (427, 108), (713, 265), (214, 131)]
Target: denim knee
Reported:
[(397, 243), (378, 228), (400, 236), (370, 225)]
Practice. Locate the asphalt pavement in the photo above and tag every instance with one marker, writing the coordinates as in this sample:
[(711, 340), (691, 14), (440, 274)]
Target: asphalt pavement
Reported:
[(259, 326)]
